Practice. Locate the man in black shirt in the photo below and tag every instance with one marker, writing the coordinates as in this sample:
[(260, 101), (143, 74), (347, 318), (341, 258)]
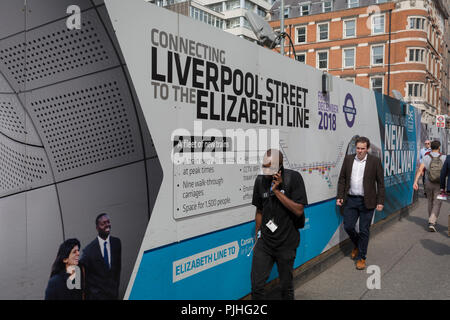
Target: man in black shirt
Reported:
[(279, 197)]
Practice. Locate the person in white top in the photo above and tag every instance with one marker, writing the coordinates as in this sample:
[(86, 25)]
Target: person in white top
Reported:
[(432, 186), (360, 191), (425, 149)]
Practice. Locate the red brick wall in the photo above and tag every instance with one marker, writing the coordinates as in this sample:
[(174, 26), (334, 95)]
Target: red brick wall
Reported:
[(401, 40)]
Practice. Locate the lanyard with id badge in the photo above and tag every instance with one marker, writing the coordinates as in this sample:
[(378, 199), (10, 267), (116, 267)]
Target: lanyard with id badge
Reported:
[(271, 225)]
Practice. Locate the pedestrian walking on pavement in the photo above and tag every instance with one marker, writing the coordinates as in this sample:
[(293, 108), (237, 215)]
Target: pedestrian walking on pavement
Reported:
[(279, 196), (360, 192), (432, 163), (426, 149)]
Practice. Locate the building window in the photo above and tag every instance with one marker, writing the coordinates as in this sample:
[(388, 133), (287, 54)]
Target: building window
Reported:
[(301, 34), (322, 60), (286, 12), (416, 55), (217, 7), (305, 9), (322, 29), (353, 3), (382, 1), (200, 15), (349, 58), (233, 23), (376, 84), (261, 12), (301, 57), (417, 23), (350, 79), (377, 55), (378, 24), (415, 90), (327, 6), (233, 4), (349, 28), (246, 24)]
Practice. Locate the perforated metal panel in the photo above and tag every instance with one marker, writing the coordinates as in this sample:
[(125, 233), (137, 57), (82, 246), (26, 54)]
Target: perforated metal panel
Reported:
[(11, 120), (87, 124), (15, 123), (4, 86), (149, 146), (103, 13), (66, 90), (12, 17), (22, 167), (13, 235), (12, 61), (53, 53)]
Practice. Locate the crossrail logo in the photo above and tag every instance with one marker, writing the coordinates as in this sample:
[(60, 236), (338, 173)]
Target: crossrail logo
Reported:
[(349, 110)]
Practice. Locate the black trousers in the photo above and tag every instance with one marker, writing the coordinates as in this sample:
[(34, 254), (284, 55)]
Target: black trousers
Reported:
[(354, 209), (263, 259)]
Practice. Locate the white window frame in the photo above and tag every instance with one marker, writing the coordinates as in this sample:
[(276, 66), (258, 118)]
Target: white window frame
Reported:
[(382, 82), (417, 17), (371, 55), (415, 48), (296, 33), (317, 59), (301, 54), (349, 79), (301, 8), (414, 83), (373, 24), (318, 31), (343, 58), (354, 1), (323, 5), (236, 5), (288, 9), (234, 25), (344, 29)]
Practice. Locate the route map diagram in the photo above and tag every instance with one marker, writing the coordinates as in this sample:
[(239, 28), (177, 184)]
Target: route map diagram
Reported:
[(324, 169)]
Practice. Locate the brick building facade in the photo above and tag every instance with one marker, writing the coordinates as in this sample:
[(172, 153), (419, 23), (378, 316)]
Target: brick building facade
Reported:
[(396, 45)]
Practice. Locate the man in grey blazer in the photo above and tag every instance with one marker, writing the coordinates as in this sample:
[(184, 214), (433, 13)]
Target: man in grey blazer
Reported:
[(360, 192)]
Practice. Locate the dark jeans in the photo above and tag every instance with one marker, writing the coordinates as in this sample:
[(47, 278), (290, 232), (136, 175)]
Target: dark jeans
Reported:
[(263, 259), (354, 209)]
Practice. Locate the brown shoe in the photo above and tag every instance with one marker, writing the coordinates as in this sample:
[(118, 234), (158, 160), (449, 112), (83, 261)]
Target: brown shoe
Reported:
[(361, 264), (355, 252)]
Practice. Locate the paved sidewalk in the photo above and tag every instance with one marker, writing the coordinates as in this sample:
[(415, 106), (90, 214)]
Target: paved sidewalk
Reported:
[(414, 263)]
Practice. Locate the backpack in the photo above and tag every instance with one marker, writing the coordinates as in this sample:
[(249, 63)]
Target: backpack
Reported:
[(434, 174), (299, 222)]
